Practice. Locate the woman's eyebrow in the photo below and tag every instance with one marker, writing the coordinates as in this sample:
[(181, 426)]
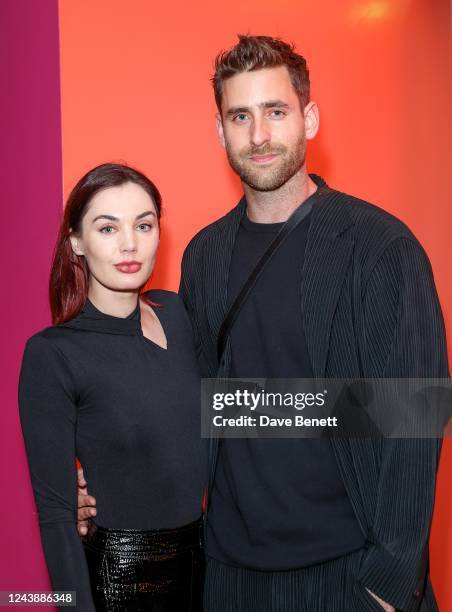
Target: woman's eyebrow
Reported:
[(112, 218)]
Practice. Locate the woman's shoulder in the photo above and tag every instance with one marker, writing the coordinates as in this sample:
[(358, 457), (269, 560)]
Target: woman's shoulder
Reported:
[(46, 370), (171, 303), (48, 341), (163, 297), (45, 361)]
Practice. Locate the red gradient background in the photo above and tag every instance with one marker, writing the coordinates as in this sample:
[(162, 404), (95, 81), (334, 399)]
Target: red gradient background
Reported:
[(135, 88)]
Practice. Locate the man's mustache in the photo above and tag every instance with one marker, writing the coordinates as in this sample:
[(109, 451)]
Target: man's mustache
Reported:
[(266, 149)]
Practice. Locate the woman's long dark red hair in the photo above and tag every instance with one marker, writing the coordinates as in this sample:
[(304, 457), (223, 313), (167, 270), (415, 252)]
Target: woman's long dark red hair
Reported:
[(68, 286)]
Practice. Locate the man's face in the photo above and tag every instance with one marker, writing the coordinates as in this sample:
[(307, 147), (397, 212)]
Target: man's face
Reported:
[(263, 128)]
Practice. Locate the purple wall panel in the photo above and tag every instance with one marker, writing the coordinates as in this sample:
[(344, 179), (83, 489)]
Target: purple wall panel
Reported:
[(31, 188)]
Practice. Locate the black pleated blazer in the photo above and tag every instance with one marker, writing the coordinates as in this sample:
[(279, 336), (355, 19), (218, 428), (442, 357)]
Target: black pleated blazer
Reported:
[(370, 310)]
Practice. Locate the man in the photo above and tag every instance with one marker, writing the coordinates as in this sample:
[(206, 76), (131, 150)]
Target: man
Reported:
[(309, 525)]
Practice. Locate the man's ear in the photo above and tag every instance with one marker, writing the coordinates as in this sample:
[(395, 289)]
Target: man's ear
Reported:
[(75, 243), (220, 130), (311, 120)]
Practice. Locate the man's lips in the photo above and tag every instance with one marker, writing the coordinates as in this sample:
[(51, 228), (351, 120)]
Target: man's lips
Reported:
[(263, 159), (128, 267)]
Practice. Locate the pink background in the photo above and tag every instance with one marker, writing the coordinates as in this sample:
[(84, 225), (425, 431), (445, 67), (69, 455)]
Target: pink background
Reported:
[(31, 183)]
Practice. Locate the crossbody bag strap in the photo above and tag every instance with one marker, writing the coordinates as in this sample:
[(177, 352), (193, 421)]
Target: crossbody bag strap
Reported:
[(292, 222)]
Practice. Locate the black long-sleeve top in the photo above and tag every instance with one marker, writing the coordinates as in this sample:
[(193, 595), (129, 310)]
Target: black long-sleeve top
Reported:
[(97, 389)]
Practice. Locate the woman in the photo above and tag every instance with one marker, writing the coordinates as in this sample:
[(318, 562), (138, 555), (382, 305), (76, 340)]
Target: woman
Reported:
[(115, 383)]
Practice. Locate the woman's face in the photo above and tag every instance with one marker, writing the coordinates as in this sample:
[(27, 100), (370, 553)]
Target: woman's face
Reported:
[(119, 238)]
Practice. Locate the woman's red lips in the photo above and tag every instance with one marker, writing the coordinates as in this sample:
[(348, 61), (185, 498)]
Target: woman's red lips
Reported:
[(128, 267)]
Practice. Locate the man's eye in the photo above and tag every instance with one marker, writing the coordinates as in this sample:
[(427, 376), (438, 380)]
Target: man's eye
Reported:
[(240, 118), (107, 229), (278, 114), (145, 227)]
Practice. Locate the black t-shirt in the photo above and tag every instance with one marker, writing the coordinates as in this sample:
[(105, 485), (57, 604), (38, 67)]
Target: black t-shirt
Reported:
[(96, 388), (276, 503)]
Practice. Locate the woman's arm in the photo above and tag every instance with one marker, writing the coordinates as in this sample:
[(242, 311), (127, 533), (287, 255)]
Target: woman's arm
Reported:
[(49, 415)]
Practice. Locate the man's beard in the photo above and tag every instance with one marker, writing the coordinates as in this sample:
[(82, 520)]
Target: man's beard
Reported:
[(286, 165)]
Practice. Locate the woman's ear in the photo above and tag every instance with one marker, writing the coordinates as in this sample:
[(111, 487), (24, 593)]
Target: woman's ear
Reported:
[(76, 244)]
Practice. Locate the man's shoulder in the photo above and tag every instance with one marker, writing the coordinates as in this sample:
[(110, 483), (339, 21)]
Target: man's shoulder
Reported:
[(373, 222), (375, 232), (371, 219), (211, 231)]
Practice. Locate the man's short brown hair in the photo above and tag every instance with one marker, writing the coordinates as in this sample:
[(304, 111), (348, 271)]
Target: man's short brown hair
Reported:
[(255, 53)]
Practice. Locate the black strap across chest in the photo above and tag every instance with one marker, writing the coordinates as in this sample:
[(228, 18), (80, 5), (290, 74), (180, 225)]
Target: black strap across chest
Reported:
[(292, 222)]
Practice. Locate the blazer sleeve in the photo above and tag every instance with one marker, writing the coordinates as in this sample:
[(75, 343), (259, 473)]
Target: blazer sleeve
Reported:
[(47, 404), (187, 291), (404, 338)]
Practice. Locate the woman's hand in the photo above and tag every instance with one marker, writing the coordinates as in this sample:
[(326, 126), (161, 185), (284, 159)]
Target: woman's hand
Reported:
[(86, 504)]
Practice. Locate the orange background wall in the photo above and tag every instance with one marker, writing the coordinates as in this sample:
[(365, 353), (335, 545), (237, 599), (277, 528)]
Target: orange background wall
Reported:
[(135, 87)]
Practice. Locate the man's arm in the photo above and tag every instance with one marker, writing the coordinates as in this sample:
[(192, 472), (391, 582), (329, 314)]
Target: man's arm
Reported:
[(187, 292), (403, 322)]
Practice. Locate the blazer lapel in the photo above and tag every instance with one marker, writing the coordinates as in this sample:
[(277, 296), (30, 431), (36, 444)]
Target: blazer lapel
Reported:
[(327, 255), (216, 271)]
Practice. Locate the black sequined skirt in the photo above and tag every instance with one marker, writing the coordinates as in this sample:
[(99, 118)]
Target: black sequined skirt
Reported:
[(146, 571)]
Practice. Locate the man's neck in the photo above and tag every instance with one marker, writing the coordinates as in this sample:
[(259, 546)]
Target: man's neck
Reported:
[(277, 206)]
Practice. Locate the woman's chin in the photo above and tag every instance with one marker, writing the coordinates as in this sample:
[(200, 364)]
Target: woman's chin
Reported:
[(132, 285)]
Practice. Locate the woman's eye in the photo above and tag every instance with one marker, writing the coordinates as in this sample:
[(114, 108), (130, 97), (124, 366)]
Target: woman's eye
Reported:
[(145, 227), (107, 229)]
